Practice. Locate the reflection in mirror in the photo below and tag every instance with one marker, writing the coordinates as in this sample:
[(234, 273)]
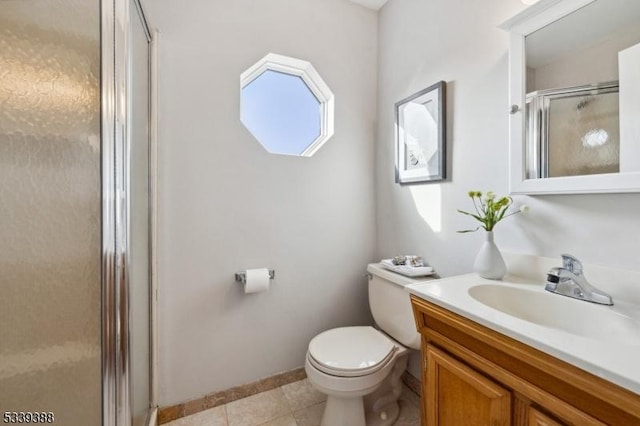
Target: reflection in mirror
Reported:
[(575, 129), (583, 92)]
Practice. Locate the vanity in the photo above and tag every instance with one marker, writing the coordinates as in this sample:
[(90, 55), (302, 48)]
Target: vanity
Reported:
[(510, 353)]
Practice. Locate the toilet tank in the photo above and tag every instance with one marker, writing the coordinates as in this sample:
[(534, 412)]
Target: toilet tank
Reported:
[(391, 305)]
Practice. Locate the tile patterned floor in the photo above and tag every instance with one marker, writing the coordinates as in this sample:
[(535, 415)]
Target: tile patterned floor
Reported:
[(295, 404)]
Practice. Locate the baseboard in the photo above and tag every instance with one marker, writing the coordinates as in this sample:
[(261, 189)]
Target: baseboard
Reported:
[(174, 412), (167, 414)]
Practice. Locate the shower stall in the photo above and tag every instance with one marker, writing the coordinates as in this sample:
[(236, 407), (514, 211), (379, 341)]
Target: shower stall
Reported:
[(77, 173)]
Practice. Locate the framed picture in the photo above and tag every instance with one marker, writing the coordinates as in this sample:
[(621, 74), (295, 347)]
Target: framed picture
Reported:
[(420, 136)]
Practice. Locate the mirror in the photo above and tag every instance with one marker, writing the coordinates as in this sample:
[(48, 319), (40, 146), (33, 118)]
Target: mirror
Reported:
[(575, 87)]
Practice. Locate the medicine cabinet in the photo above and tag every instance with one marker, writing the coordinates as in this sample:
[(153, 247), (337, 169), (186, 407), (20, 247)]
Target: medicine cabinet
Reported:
[(574, 68)]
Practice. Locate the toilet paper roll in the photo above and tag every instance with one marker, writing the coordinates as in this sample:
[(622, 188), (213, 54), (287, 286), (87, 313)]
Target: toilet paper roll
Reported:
[(257, 280)]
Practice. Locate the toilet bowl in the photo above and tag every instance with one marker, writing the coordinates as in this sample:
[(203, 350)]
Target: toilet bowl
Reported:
[(360, 368), (336, 371)]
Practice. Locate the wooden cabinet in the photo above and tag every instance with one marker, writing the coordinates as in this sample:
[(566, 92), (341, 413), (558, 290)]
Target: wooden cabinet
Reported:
[(476, 376), (458, 395)]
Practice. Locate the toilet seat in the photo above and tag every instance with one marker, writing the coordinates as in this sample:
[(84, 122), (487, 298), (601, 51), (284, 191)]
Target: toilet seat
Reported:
[(351, 351)]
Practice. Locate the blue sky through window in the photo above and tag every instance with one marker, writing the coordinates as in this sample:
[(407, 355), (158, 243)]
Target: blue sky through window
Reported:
[(281, 112)]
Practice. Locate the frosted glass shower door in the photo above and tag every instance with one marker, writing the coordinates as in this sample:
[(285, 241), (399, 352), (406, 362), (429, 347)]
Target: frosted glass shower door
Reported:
[(50, 204)]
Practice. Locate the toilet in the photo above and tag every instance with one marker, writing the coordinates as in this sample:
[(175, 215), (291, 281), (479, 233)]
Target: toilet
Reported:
[(360, 368)]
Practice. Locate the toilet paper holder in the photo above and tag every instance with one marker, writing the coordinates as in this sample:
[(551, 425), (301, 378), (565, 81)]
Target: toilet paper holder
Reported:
[(241, 277)]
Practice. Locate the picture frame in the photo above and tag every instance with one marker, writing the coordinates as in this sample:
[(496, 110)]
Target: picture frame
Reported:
[(420, 136)]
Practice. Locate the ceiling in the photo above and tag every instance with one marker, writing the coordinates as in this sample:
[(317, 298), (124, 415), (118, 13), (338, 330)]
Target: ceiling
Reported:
[(371, 4)]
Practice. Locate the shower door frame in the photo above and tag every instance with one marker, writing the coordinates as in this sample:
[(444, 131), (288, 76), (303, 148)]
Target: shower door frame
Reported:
[(115, 65)]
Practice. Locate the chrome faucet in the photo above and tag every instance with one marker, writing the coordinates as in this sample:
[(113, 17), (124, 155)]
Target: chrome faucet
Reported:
[(570, 281)]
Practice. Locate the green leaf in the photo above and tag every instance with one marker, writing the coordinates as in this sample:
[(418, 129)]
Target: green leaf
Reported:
[(468, 230), (501, 214), (478, 218)]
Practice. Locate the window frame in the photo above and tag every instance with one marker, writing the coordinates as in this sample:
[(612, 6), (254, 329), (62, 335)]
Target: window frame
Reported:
[(315, 83)]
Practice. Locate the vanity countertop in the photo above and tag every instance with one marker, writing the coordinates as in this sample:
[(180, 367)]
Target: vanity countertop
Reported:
[(610, 353)]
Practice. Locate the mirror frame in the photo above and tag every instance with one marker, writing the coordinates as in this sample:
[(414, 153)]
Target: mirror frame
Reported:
[(531, 19)]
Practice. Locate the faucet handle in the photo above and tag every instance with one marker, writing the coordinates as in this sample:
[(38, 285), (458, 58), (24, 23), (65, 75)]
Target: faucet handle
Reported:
[(572, 264)]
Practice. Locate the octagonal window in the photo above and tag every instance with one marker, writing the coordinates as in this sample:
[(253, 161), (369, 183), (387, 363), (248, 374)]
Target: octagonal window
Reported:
[(286, 106)]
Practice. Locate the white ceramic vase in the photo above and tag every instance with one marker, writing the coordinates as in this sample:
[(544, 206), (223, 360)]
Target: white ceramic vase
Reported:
[(489, 262)]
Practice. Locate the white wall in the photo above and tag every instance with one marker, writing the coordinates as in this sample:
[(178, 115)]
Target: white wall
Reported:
[(421, 42), (227, 205)]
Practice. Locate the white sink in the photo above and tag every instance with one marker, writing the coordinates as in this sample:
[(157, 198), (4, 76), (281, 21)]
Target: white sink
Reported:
[(603, 340), (598, 322)]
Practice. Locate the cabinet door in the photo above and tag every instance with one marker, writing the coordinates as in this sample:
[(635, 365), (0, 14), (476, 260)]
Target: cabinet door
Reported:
[(537, 418), (458, 395)]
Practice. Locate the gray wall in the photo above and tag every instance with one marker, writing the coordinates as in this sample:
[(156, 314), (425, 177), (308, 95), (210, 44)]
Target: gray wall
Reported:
[(421, 42), (227, 205)]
